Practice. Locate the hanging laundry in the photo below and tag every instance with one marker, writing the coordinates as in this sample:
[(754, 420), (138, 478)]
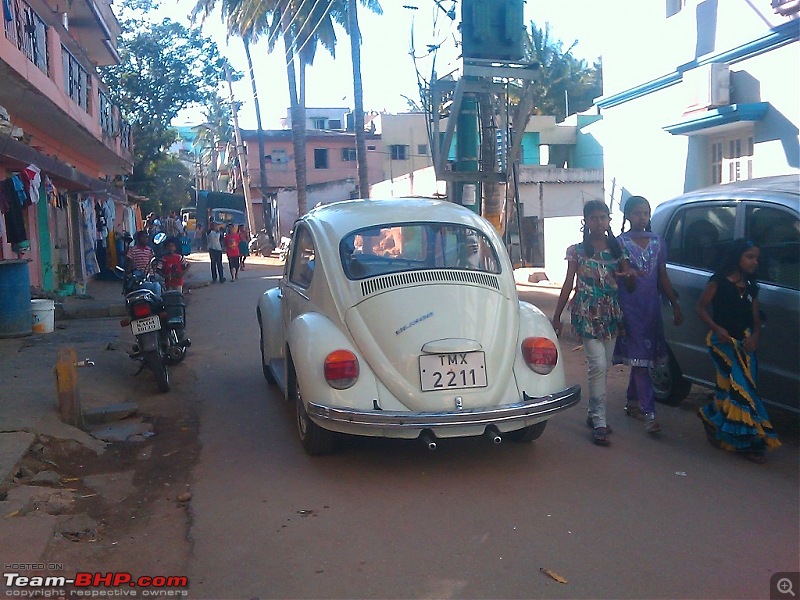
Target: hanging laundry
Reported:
[(14, 216), (34, 176), (88, 235)]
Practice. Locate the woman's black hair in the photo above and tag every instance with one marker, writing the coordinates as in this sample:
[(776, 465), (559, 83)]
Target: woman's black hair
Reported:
[(613, 244), (733, 256), (630, 204)]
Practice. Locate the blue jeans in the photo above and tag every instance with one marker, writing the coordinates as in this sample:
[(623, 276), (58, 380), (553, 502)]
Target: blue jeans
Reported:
[(598, 354)]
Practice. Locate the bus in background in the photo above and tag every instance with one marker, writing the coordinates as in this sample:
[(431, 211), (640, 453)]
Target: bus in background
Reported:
[(227, 216)]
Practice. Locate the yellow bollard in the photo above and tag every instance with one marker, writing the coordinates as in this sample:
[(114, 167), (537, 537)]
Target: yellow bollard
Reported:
[(69, 402)]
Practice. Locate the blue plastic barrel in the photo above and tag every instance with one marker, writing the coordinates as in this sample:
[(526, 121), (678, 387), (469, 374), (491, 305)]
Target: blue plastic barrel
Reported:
[(15, 298)]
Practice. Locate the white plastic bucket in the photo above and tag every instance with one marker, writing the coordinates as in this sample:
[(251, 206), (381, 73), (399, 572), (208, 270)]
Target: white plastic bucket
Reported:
[(44, 315)]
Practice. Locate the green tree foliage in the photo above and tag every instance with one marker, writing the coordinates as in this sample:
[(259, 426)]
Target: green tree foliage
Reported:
[(563, 79), (165, 68)]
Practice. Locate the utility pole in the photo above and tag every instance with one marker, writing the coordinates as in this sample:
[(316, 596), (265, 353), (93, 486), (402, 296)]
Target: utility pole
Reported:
[(241, 157)]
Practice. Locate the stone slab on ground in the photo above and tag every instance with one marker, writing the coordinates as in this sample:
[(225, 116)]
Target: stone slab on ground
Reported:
[(13, 446), (36, 529)]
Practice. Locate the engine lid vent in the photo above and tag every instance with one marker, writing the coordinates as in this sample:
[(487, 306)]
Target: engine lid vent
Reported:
[(385, 282)]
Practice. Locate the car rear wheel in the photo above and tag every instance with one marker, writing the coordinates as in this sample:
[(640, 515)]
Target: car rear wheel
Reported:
[(316, 440), (527, 434), (669, 386), (265, 368)]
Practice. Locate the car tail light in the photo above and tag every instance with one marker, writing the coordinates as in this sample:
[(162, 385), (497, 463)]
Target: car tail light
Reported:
[(142, 309), (341, 369), (540, 354)]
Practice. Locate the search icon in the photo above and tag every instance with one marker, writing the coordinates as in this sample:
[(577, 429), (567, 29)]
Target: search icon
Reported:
[(784, 586)]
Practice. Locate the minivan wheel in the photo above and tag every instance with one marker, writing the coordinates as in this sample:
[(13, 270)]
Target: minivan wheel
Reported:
[(669, 386)]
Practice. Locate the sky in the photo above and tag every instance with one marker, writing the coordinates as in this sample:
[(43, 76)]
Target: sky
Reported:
[(388, 70)]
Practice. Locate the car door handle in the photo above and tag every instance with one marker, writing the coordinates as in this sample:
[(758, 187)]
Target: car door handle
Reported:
[(280, 294)]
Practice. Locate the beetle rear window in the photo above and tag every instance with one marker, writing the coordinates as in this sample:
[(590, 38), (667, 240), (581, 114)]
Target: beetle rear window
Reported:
[(416, 246)]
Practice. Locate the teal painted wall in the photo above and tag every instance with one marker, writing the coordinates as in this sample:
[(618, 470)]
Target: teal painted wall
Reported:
[(530, 148), (45, 243), (588, 153)]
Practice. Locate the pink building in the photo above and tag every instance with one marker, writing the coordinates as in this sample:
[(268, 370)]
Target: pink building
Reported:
[(58, 125), (332, 173)]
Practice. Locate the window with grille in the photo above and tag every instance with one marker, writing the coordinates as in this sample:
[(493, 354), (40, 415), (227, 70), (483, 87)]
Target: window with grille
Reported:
[(318, 123), (28, 32), (77, 82), (732, 158), (106, 113), (348, 154), (320, 158), (398, 152), (422, 149)]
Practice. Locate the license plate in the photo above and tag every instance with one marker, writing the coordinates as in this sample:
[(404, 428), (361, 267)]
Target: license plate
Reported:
[(145, 325), (452, 371)]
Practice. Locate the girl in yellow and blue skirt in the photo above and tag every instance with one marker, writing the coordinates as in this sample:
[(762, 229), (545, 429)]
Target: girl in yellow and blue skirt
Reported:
[(735, 419)]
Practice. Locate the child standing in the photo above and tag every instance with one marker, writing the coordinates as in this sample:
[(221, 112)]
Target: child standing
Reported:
[(596, 316), (172, 266), (735, 419), (642, 345)]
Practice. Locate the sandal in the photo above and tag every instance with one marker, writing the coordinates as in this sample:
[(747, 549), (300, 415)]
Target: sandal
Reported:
[(757, 457), (599, 434), (632, 410), (590, 425)]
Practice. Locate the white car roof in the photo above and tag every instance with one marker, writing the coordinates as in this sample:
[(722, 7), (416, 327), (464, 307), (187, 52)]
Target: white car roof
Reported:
[(340, 218)]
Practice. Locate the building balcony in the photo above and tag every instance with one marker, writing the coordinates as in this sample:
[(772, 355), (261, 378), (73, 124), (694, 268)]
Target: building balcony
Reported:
[(51, 91)]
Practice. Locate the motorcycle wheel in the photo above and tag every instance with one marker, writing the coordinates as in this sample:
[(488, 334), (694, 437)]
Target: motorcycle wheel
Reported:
[(173, 355), (160, 371)]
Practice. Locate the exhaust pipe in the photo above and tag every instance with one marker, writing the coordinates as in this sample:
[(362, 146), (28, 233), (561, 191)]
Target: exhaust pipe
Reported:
[(493, 434), (428, 439)]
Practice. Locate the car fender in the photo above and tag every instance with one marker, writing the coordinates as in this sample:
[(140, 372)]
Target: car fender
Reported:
[(311, 337), (534, 323), (269, 307)]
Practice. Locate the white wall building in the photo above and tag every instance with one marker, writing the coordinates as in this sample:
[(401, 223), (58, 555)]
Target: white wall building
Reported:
[(697, 93)]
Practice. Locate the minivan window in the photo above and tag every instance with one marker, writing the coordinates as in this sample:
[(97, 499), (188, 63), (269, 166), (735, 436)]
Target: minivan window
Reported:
[(698, 235), (777, 233)]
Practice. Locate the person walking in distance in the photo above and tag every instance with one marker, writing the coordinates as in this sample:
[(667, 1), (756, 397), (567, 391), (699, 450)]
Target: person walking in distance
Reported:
[(231, 243), (593, 267), (244, 245), (215, 252), (735, 419), (641, 344)]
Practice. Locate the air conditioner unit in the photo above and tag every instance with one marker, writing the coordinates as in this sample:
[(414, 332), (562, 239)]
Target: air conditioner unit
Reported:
[(707, 86)]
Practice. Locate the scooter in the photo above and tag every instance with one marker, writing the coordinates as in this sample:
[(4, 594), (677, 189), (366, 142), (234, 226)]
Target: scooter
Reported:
[(157, 319)]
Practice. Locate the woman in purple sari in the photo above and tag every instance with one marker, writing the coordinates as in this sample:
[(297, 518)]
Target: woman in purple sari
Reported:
[(642, 343)]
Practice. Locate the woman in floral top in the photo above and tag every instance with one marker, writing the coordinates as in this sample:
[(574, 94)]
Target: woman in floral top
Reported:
[(596, 316)]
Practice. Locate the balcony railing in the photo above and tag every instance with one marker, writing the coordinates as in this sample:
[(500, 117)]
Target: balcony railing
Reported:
[(27, 31), (77, 82)]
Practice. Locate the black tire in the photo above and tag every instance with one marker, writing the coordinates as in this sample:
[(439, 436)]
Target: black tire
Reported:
[(526, 434), (669, 386), (174, 340), (159, 369), (316, 441), (265, 368)]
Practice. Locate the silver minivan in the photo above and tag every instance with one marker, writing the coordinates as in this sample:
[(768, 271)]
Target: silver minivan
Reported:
[(697, 227)]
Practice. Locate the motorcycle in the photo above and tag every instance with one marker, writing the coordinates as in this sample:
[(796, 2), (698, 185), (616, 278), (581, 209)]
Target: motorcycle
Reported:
[(157, 318), (260, 244)]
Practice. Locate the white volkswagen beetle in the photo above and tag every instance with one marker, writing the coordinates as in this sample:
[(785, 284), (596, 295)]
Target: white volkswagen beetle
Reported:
[(400, 318)]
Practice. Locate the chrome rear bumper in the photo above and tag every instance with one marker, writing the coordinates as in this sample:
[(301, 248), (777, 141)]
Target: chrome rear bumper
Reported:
[(506, 417)]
